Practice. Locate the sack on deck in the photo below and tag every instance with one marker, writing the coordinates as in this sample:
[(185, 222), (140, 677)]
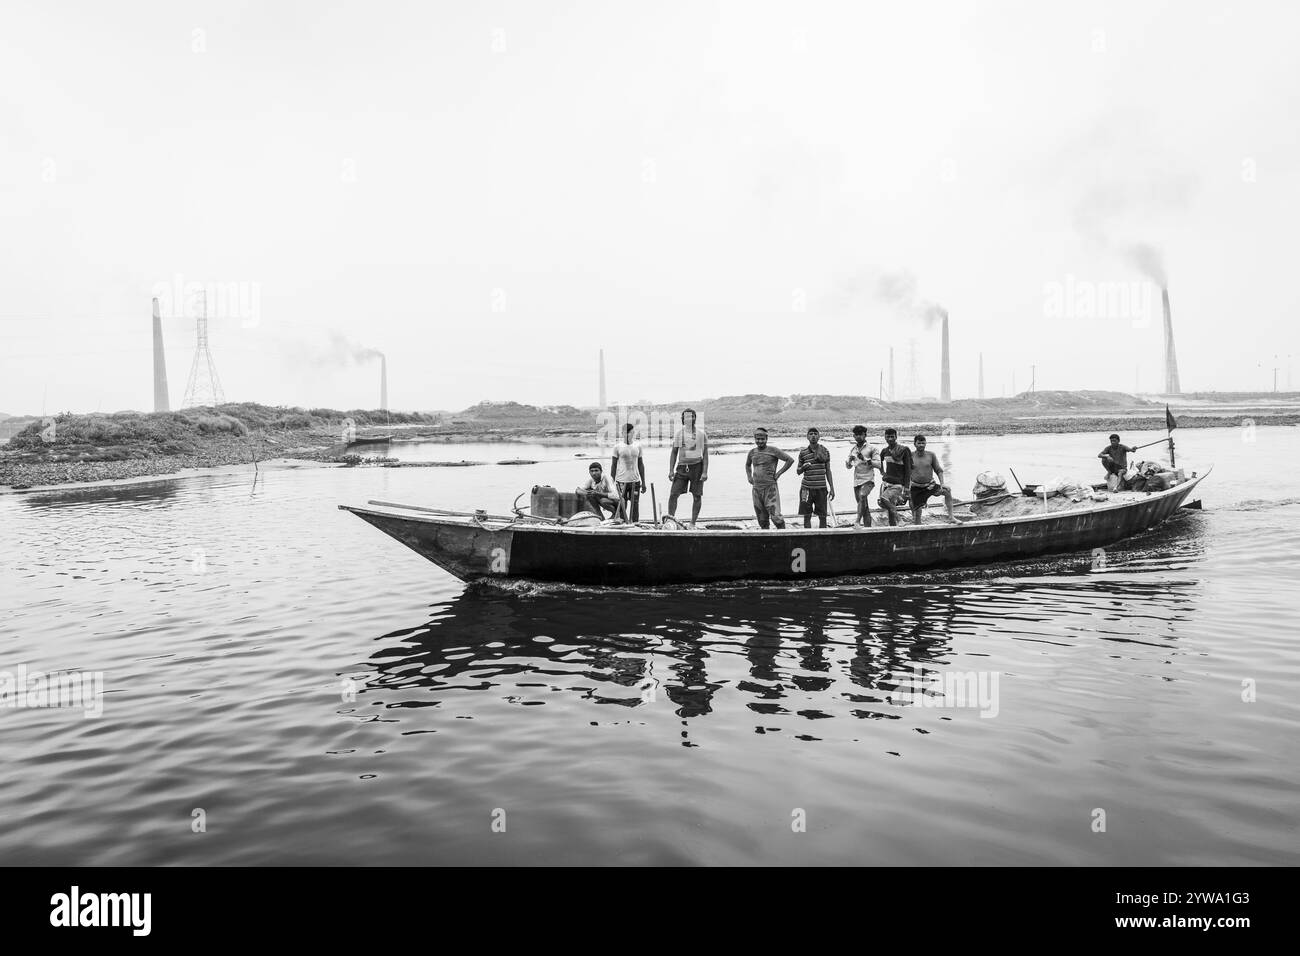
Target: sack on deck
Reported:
[(989, 483)]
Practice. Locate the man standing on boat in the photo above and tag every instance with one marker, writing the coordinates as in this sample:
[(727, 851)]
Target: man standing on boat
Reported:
[(599, 492), (762, 471), (818, 486), (629, 474), (927, 481), (863, 459), (895, 474), (688, 466), (1114, 457)]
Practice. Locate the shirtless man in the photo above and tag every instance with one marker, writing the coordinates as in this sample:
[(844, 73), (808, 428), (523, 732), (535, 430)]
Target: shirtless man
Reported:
[(927, 480)]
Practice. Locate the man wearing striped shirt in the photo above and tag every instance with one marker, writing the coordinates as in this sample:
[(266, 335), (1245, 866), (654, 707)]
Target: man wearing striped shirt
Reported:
[(818, 486)]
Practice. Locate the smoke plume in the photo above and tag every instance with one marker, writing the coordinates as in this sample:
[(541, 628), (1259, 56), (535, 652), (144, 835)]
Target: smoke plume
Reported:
[(1149, 261), (343, 351), (898, 290), (1110, 213)]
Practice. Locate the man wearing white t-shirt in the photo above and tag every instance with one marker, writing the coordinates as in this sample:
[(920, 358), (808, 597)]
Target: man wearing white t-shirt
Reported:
[(688, 466), (629, 474)]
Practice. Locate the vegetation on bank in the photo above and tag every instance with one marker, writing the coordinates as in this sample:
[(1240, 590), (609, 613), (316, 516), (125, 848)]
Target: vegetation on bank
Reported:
[(134, 435)]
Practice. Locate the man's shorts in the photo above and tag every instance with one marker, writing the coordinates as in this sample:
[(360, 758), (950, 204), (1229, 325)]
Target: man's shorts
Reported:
[(812, 501), (861, 491), (923, 493), (629, 490), (767, 505), (691, 476), (892, 495)]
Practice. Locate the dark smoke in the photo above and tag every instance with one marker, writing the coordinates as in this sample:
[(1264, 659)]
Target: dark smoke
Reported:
[(1149, 261), (899, 290), (343, 351), (1109, 210)]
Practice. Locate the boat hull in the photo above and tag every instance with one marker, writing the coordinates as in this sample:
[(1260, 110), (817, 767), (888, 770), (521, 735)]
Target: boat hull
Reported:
[(477, 549)]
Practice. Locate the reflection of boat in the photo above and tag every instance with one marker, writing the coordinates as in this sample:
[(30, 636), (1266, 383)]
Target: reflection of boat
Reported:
[(479, 545)]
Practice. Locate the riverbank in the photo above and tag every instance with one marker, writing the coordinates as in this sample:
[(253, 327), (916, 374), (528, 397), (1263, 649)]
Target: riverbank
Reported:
[(84, 449), (91, 449)]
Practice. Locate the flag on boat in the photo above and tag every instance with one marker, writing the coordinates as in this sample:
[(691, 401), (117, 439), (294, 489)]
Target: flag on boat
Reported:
[(1170, 422)]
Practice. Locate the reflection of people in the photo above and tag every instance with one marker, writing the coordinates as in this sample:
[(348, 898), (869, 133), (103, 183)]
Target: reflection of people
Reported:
[(762, 472), (1114, 458), (863, 459), (599, 491), (818, 486), (690, 688), (927, 480), (688, 466), (629, 474)]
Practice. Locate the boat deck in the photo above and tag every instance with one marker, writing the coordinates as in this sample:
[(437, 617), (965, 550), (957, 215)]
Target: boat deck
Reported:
[(1028, 509)]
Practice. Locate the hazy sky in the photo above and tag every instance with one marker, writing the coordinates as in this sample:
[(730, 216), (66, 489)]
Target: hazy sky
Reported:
[(489, 192)]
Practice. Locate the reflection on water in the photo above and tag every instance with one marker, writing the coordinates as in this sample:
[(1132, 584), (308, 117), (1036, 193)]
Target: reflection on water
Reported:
[(846, 650), (144, 492)]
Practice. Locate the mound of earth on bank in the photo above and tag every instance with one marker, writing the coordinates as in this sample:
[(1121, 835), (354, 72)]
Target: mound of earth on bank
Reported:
[(132, 444)]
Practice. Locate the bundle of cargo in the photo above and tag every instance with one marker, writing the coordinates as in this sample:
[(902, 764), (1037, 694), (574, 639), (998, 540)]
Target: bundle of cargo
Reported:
[(991, 499), (1155, 476), (988, 484)]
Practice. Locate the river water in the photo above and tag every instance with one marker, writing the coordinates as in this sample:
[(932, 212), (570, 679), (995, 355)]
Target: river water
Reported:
[(282, 683)]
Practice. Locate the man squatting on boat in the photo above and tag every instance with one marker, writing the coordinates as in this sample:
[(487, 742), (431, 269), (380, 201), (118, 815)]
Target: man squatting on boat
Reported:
[(1114, 458), (598, 491)]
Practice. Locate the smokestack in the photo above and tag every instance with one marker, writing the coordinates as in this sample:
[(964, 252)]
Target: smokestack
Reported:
[(603, 403), (981, 375), (383, 381), (160, 401), (945, 378), (893, 395), (1171, 357)]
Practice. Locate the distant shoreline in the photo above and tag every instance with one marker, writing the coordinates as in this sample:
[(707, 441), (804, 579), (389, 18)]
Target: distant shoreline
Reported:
[(1021, 426), (92, 450)]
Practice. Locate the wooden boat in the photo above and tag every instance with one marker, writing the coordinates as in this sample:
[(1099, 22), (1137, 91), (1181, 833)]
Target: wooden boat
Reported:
[(371, 440), (479, 545)]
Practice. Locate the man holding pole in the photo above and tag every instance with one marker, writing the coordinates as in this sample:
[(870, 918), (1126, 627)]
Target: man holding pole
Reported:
[(1170, 424), (1114, 458)]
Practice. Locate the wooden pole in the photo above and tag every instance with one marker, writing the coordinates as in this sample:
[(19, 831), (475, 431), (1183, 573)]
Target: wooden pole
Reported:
[(654, 503)]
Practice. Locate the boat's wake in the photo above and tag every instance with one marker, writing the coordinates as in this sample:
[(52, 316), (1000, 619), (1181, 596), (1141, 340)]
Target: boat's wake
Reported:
[(1259, 504)]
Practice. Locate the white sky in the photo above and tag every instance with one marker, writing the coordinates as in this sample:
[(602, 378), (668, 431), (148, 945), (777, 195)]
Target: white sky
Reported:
[(667, 181)]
